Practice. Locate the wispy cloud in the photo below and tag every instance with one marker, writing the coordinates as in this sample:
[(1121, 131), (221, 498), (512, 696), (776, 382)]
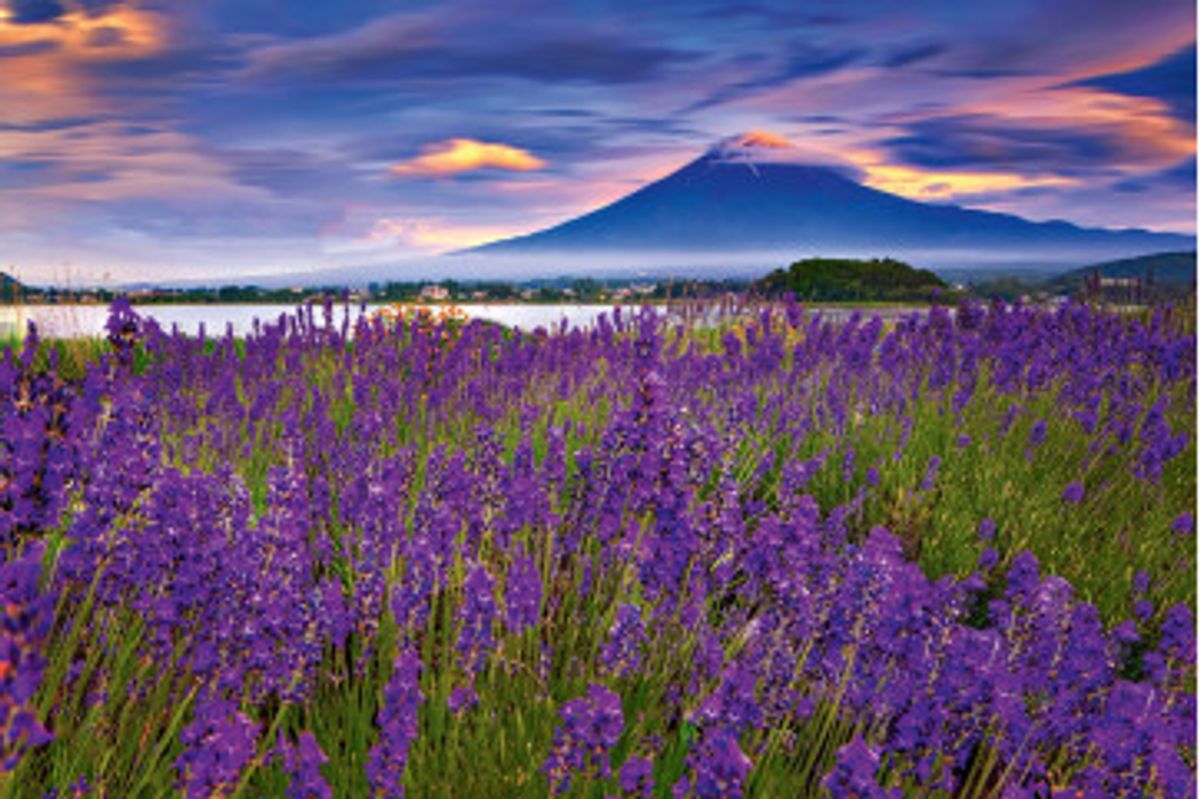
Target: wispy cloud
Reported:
[(433, 235), (464, 41)]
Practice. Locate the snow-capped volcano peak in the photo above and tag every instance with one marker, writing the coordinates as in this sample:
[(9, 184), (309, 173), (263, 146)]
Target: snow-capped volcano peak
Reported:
[(754, 145), (759, 140), (760, 147)]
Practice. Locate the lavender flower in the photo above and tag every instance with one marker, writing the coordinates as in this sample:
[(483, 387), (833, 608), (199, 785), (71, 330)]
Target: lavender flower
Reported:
[(637, 777), (1037, 434), (588, 729), (218, 745), (398, 727), (523, 595), (303, 762), (475, 638), (718, 766), (622, 651), (1073, 493), (462, 699), (987, 530), (853, 773), (931, 472), (27, 615)]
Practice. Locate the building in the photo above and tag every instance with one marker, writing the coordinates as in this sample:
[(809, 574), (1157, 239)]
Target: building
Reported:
[(434, 293)]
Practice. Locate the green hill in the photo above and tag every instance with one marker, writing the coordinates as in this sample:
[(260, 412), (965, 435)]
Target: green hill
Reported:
[(850, 280), (11, 289), (1169, 272)]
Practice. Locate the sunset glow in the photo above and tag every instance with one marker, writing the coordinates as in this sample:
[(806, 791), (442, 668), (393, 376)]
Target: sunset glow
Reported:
[(235, 135)]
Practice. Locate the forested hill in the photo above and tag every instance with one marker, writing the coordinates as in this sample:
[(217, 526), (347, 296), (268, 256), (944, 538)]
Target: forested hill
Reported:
[(844, 279)]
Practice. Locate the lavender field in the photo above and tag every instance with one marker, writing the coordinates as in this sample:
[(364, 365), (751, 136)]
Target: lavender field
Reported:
[(771, 555)]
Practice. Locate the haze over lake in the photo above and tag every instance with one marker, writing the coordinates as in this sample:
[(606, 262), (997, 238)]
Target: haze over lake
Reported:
[(79, 321), (74, 321)]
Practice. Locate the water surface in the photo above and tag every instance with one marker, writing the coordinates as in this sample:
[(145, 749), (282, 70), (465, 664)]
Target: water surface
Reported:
[(75, 321)]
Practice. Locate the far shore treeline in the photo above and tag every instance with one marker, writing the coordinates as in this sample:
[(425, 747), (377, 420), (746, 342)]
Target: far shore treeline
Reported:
[(1141, 280)]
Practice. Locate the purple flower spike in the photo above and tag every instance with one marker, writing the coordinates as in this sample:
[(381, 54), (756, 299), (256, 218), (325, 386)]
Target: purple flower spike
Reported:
[(475, 638), (523, 595), (1073, 493), (25, 618), (1037, 434), (589, 728), (987, 530), (462, 699), (622, 653), (1143, 609), (854, 773), (303, 761), (1141, 583), (719, 766), (398, 724), (637, 777), (1184, 523), (219, 743), (931, 472)]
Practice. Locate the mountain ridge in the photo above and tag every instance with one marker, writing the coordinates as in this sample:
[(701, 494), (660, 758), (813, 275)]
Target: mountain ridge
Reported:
[(722, 202)]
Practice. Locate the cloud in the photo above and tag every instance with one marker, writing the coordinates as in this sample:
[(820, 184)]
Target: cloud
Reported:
[(947, 184), (31, 12), (914, 54), (802, 61), (107, 161), (1171, 79), (455, 156), (1181, 178), (433, 235), (413, 47), (50, 65), (764, 139), (80, 30), (1062, 131)]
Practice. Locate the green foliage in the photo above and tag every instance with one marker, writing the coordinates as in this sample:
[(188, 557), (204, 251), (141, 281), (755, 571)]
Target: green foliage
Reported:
[(845, 279)]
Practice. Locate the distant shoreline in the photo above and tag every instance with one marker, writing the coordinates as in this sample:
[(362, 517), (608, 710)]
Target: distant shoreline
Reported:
[(316, 303)]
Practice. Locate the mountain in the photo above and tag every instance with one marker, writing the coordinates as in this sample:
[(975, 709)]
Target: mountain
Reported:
[(738, 199), (1174, 271)]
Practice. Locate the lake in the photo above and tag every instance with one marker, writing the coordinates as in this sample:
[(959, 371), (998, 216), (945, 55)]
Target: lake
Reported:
[(75, 321)]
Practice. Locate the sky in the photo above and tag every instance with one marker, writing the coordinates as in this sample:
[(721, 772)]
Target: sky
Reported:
[(145, 140)]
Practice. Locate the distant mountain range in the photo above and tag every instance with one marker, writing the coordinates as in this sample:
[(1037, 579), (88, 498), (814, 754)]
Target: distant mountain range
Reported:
[(739, 199), (1174, 270)]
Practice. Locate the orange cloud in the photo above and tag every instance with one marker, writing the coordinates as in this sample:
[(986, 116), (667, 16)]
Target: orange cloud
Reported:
[(48, 70), (764, 138), (455, 156), (1142, 129), (119, 32), (927, 184)]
